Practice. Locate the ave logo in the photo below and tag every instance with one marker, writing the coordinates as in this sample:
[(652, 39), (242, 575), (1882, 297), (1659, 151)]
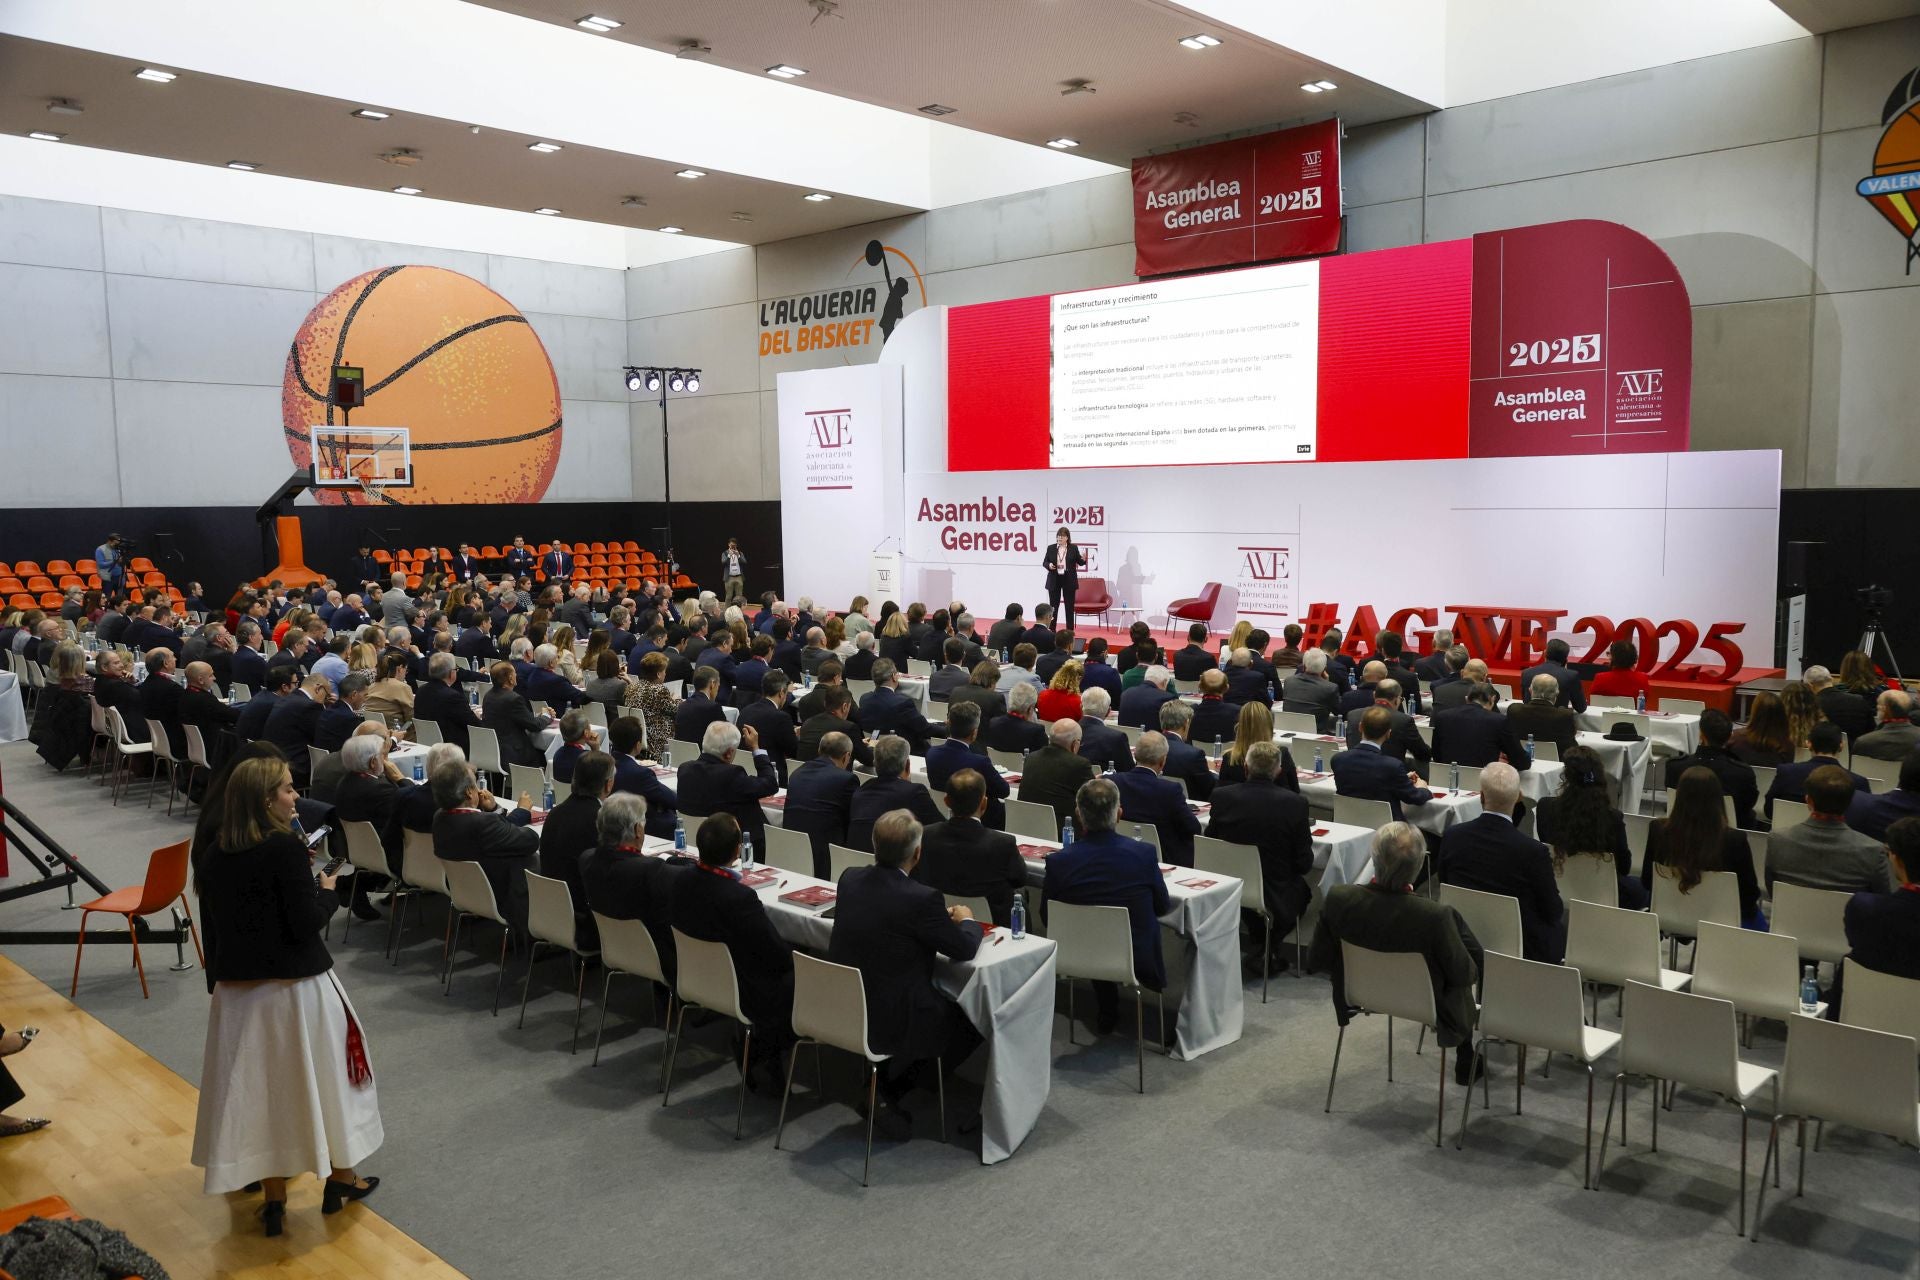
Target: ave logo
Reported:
[(1641, 382), (1265, 564), (832, 428)]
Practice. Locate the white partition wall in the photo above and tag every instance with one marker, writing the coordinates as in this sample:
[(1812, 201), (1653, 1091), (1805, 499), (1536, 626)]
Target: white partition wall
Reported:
[(841, 474)]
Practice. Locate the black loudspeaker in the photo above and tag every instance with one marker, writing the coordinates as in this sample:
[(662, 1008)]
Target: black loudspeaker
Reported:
[(1797, 560)]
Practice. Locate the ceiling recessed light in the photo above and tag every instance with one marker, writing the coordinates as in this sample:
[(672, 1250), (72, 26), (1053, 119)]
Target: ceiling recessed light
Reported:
[(786, 72), (155, 74), (742, 217), (544, 148), (595, 23), (369, 113), (43, 136), (1319, 86), (244, 166), (1200, 42), (818, 196), (690, 173), (1311, 87), (1062, 144), (634, 202), (937, 109), (406, 191), (65, 107), (547, 212), (671, 231)]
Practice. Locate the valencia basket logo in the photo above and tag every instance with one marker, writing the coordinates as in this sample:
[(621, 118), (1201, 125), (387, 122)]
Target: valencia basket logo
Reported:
[(1894, 185)]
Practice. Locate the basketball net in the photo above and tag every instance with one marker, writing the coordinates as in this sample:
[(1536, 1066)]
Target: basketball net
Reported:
[(366, 489)]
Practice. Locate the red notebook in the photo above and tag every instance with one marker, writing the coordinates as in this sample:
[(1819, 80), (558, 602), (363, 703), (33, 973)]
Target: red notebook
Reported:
[(814, 895), (774, 802), (1197, 884), (1320, 831), (1036, 850), (760, 876)]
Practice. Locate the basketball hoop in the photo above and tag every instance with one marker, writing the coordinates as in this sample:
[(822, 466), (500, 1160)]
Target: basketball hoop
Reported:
[(367, 494)]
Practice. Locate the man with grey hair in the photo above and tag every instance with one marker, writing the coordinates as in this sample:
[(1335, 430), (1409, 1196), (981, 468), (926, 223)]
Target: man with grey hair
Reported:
[(342, 715), (1184, 761), (701, 708), (887, 710), (1246, 679), (1897, 733), (1403, 739), (1148, 799), (1308, 691), (1853, 713), (470, 828), (577, 737), (395, 602), (370, 790), (1490, 854), (1017, 730), (1054, 774), (1103, 868), (1140, 705), (547, 685), (894, 929), (1463, 673), (1434, 667), (1275, 821), (814, 652), (820, 799), (622, 883), (442, 703), (890, 788), (717, 783), (1542, 718), (1101, 743), (1385, 914)]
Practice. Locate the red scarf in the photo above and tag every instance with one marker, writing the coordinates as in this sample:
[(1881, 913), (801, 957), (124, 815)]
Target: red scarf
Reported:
[(359, 1069)]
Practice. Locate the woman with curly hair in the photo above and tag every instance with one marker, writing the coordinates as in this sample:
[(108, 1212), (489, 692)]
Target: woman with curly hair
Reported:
[(1581, 822)]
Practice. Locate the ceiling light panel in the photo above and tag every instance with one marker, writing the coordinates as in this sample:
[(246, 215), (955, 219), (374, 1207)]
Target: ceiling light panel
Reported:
[(785, 71), (1200, 42), (156, 75)]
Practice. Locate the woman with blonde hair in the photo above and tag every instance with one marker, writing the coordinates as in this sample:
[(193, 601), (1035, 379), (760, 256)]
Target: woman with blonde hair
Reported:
[(1060, 700), (599, 641), (1237, 638), (1803, 711), (362, 656), (286, 1083), (895, 645), (655, 703), (567, 662), (515, 628)]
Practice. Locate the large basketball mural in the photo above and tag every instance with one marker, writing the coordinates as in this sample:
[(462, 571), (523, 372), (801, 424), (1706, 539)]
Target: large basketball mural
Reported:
[(451, 369)]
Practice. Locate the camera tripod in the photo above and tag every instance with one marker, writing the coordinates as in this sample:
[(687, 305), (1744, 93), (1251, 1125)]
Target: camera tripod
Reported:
[(1876, 634)]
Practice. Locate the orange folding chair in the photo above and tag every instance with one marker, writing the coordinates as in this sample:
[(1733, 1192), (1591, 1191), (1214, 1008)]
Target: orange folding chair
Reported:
[(166, 884)]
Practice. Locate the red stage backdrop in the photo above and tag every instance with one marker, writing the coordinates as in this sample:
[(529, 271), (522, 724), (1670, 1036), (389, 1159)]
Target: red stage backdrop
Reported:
[(1276, 195)]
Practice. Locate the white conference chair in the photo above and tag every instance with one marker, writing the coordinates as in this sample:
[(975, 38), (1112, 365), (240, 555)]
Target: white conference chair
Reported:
[(789, 850), (840, 858), (1537, 1006), (550, 920), (627, 947), (471, 894), (525, 780), (102, 741), (1469, 777), (1397, 985), (1304, 750), (1788, 814), (1590, 877), (1880, 1001), (1676, 1038), (126, 751), (1493, 917), (1849, 1075), (1815, 918), (982, 909), (1038, 821), (427, 733), (1715, 900), (1096, 944), (1350, 811), (1612, 947), (1638, 825), (197, 759), (679, 753), (707, 981), (1241, 861), (562, 791), (1295, 722), (162, 755), (316, 757), (1682, 706), (364, 853), (483, 751), (421, 872), (1007, 761), (1758, 972), (1148, 834)]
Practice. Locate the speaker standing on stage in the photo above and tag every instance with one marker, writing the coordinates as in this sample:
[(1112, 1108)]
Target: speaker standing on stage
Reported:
[(1064, 562)]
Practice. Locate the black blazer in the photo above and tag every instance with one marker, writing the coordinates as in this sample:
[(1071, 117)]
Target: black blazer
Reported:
[(261, 912), (1214, 718), (1151, 800), (892, 928), (292, 727), (890, 711), (506, 713), (1555, 724), (1737, 779), (964, 858), (879, 796), (1883, 930), (1572, 693), (1190, 662), (1370, 774), (1012, 733), (623, 884), (714, 907), (710, 785), (1053, 776), (568, 834), (819, 800), (1491, 855), (1474, 735), (1063, 571), (1106, 747), (777, 734), (365, 798), (1277, 822), (504, 850), (336, 725), (445, 705), (991, 702), (694, 714), (816, 727), (633, 776)]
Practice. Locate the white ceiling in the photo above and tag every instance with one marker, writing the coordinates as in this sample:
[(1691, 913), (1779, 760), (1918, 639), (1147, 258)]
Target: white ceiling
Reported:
[(1834, 15)]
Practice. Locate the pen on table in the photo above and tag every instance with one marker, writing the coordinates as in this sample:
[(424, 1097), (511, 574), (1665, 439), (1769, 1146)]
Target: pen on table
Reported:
[(1002, 938)]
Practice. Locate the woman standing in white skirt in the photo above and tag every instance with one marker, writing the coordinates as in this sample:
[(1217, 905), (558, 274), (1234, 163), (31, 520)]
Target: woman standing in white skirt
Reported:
[(286, 1085)]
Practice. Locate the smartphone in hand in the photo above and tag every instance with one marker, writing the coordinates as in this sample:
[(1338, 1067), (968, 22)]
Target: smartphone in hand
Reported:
[(333, 867)]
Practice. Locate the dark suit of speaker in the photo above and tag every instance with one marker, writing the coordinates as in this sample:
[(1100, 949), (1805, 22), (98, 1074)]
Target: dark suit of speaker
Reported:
[(1063, 578)]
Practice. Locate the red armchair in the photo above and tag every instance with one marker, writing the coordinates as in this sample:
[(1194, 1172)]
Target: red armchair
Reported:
[(1092, 599), (1198, 608)]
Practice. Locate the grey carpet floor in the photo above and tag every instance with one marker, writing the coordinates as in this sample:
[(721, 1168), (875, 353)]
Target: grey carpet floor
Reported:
[(509, 1157)]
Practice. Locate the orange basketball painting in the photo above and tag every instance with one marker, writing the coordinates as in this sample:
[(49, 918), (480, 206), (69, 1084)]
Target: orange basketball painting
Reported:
[(445, 358)]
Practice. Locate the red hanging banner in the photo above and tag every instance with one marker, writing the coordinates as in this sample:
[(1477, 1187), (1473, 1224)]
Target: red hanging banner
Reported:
[(1258, 199)]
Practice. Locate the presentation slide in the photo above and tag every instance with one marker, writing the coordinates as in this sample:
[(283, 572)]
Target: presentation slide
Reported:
[(1208, 369)]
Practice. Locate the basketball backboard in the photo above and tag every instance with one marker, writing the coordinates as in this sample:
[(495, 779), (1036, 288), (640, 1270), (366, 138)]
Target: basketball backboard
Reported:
[(360, 457)]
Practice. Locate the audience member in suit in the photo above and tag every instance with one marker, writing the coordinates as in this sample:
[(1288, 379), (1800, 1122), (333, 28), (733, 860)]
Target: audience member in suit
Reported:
[(1020, 670), (887, 710), (443, 703), (1189, 662), (1736, 779), (1883, 929), (1581, 822), (1017, 730), (370, 790), (1897, 734), (835, 716), (951, 674), (700, 708), (1054, 774), (1824, 852), (718, 782), (1213, 716), (1451, 691), (770, 718), (1403, 738), (571, 831), (1004, 634), (1309, 691), (1867, 813), (1041, 634), (719, 656), (1247, 681), (626, 738), (1789, 784), (1387, 915), (968, 859), (711, 905), (160, 699), (475, 641), (820, 799), (1476, 734), (513, 722), (1048, 664), (252, 723), (1103, 868), (1434, 667), (1490, 854), (859, 664), (1106, 746), (622, 883), (1184, 761), (1148, 799), (1140, 705), (1360, 697), (1098, 673), (293, 723), (577, 737), (893, 928), (890, 788), (470, 828), (201, 707), (957, 752), (1852, 712), (1694, 838), (342, 715), (1543, 718), (1367, 772), (1555, 665), (981, 690), (549, 686), (1261, 813)]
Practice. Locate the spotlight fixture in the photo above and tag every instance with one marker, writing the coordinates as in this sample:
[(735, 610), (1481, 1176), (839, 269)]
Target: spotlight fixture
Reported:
[(783, 71), (693, 379), (676, 381), (1200, 42), (544, 148), (244, 166), (1062, 144), (595, 23), (1319, 86), (369, 113), (818, 197), (659, 380), (692, 49), (653, 379), (690, 173), (671, 231), (156, 75), (42, 135), (406, 191), (633, 379)]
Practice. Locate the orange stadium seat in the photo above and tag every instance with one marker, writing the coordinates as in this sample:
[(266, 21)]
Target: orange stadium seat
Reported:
[(6, 571), (22, 602), (57, 567), (50, 599), (93, 581), (490, 552), (71, 580), (84, 566), (25, 569), (139, 564), (153, 579), (39, 582)]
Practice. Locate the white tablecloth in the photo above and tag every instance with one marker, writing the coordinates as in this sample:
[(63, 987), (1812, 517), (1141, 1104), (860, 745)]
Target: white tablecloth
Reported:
[(1625, 763), (1212, 1009), (13, 713), (1006, 991), (1342, 853), (1675, 733), (1446, 808), (916, 687)]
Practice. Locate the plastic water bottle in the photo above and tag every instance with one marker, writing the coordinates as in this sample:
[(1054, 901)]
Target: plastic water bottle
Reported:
[(1529, 748), (139, 673), (233, 692), (547, 799), (746, 851), (419, 769), (1319, 761), (1066, 833), (1809, 992), (679, 834), (1019, 917), (1273, 692), (1640, 702), (1353, 678), (1137, 834), (1216, 746), (1453, 776), (1006, 656)]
